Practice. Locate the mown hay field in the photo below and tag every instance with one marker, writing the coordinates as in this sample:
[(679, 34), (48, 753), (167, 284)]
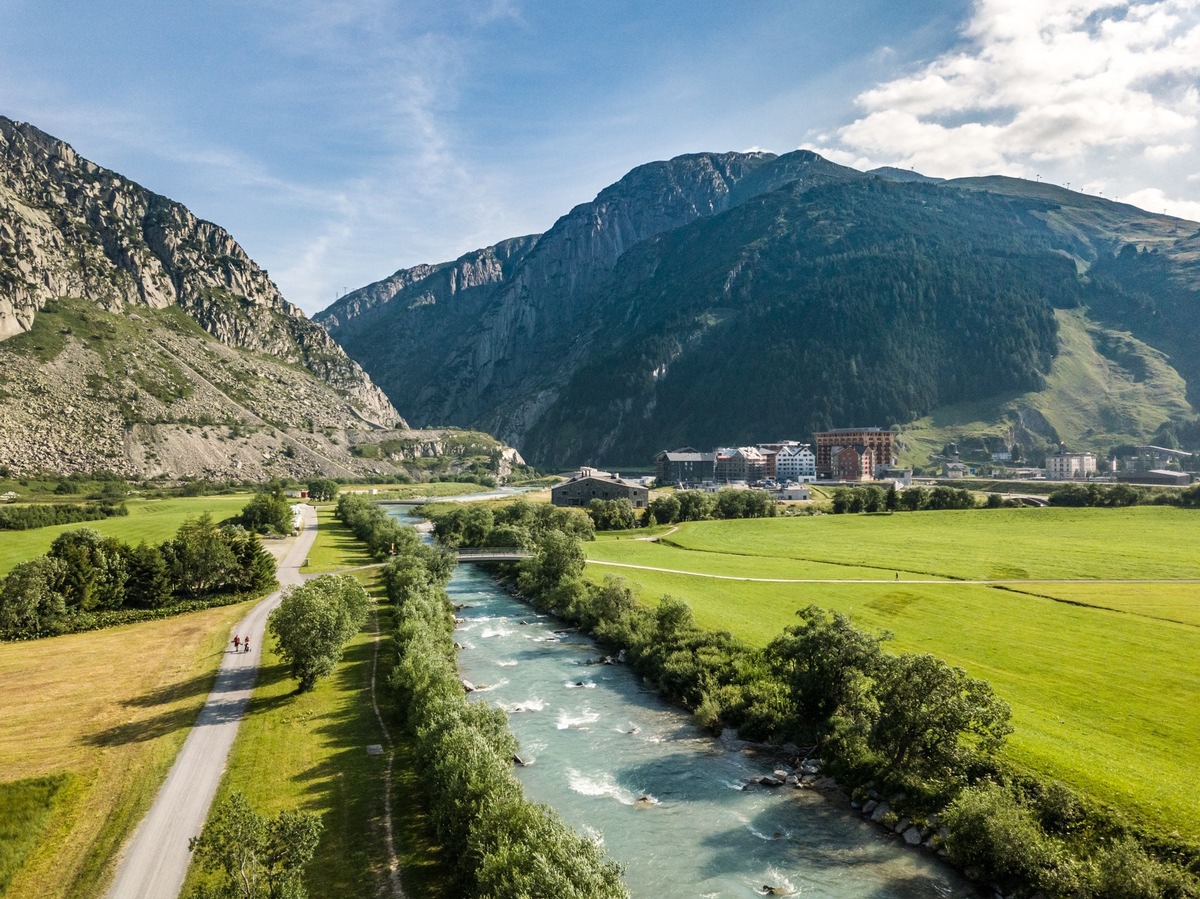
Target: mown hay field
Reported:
[(107, 712), (1103, 678)]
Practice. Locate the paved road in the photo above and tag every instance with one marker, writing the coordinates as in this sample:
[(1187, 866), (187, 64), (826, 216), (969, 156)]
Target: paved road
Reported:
[(155, 861)]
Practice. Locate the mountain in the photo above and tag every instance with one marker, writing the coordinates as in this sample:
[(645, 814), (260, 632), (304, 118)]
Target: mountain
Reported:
[(724, 299), (137, 338)]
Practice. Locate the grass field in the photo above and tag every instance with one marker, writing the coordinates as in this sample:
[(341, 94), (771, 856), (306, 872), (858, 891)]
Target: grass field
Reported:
[(1103, 678), (153, 520), (336, 547), (108, 709)]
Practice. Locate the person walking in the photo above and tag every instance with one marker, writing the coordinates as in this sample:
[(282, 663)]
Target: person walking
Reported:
[(237, 643)]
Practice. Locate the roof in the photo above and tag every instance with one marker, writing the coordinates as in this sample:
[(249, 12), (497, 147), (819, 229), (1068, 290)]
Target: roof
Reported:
[(690, 457), (591, 474)]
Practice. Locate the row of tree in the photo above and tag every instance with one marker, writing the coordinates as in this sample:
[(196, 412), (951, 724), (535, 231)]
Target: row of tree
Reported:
[(519, 524), (502, 845), (1121, 495), (908, 724), (875, 498), (383, 534), (41, 515), (86, 574)]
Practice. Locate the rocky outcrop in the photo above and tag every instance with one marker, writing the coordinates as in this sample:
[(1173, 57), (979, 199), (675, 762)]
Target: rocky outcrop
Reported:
[(70, 228)]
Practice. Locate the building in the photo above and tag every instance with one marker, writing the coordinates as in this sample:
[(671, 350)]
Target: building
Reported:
[(1156, 477), (684, 466), (1064, 466), (901, 477), (954, 470), (854, 463), (796, 462), (591, 483), (881, 443), (793, 492)]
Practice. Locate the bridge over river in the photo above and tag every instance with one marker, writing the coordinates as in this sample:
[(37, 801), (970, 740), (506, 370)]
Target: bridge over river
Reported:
[(494, 554)]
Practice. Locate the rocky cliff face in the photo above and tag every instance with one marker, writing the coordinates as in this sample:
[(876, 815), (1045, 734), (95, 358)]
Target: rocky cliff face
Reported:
[(499, 355), (69, 228)]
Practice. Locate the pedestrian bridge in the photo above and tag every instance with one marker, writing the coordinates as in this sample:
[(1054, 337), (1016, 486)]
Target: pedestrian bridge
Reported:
[(494, 554)]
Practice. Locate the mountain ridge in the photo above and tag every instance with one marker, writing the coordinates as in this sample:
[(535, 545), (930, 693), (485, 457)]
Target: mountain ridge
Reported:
[(538, 366)]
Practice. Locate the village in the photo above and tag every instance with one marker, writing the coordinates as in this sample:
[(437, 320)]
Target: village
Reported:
[(850, 456)]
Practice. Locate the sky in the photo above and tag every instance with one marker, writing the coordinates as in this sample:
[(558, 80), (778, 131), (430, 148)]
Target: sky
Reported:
[(342, 140)]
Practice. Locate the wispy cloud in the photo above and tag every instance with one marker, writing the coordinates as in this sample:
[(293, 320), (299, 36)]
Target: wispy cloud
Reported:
[(1050, 87)]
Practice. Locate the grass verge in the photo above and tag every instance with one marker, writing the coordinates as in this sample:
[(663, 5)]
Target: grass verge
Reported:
[(309, 752)]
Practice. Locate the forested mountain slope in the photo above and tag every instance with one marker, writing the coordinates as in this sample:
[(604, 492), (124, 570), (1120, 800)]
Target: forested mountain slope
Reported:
[(763, 297)]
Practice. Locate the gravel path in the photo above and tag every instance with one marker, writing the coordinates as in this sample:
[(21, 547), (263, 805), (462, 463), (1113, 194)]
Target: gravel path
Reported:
[(155, 862)]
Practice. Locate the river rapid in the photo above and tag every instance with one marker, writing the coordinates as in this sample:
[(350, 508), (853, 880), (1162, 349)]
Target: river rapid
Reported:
[(665, 799)]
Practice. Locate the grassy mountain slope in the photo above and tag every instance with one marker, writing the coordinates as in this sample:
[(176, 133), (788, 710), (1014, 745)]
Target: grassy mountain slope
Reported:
[(1103, 387)]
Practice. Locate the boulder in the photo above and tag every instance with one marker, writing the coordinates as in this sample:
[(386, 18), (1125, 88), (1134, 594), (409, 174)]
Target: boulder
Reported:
[(880, 810), (912, 836)]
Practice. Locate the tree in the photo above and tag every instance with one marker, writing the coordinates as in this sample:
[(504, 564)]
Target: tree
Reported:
[(664, 509), (200, 560), (313, 624), (149, 583), (31, 605), (255, 566), (257, 857), (323, 490), (267, 512), (94, 569), (559, 557), (826, 663), (933, 718), (695, 505), (612, 514)]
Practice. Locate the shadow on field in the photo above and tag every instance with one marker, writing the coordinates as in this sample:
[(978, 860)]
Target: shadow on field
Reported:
[(345, 731), (193, 686)]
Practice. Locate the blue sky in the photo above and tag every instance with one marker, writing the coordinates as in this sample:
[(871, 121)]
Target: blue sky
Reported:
[(340, 140)]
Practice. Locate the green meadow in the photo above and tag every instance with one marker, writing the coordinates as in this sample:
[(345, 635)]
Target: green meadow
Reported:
[(1103, 678), (152, 520)]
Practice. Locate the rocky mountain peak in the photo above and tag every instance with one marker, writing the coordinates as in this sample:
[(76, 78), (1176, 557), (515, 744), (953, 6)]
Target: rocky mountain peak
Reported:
[(70, 228)]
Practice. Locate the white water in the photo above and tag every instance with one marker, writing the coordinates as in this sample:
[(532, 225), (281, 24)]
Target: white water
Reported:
[(663, 798)]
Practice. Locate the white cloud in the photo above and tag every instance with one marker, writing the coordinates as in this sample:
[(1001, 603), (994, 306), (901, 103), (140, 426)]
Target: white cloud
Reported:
[(1154, 200), (1069, 89)]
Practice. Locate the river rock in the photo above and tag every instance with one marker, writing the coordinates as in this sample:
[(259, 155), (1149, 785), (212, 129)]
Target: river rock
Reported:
[(468, 686), (869, 806), (912, 836), (880, 810), (768, 780), (902, 825)]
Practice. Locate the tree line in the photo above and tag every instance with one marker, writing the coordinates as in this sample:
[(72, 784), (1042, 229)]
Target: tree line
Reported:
[(41, 515), (88, 580), (500, 843), (904, 725)]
